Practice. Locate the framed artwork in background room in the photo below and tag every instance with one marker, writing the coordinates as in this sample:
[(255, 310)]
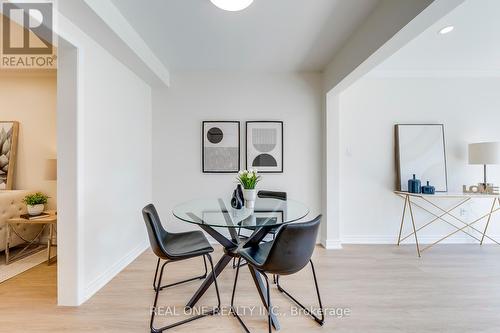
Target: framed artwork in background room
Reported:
[(264, 146), (9, 132), (220, 146)]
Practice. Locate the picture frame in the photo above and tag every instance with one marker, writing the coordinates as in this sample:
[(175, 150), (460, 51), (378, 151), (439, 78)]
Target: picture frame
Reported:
[(9, 135), (420, 149), (264, 146), (220, 146)]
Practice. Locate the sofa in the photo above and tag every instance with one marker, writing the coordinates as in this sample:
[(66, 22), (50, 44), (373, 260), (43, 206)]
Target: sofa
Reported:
[(11, 205)]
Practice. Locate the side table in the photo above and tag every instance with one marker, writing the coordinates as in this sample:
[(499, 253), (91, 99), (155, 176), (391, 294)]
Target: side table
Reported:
[(49, 221)]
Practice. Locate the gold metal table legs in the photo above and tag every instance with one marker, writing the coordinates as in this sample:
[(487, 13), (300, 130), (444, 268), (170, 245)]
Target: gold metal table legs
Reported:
[(441, 217)]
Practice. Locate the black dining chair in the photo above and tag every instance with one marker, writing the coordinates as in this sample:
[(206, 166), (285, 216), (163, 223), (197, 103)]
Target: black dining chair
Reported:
[(289, 253), (172, 247), (265, 194)]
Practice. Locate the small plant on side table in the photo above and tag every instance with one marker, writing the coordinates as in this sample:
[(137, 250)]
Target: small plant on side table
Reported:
[(35, 202)]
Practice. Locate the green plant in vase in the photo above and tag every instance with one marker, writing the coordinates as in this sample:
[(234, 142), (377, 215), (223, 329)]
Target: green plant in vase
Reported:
[(248, 180), (35, 203)]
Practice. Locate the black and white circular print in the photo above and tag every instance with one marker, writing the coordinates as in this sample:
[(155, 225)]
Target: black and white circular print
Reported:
[(215, 135), (221, 146)]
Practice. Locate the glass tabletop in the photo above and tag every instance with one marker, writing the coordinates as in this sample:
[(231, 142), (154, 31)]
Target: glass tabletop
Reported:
[(219, 213)]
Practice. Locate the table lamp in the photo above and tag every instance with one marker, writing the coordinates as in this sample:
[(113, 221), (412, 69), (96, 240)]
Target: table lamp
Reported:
[(484, 153), (51, 169)]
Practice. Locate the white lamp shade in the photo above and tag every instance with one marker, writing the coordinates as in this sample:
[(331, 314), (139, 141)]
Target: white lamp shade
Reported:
[(484, 153), (51, 169)]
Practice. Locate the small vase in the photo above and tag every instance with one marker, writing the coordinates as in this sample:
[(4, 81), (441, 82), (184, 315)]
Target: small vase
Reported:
[(34, 210), (250, 196), (414, 185), (237, 199), (428, 189)]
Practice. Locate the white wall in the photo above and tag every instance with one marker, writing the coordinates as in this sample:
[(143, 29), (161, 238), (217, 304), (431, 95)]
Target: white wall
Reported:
[(30, 98), (192, 98), (113, 145), (469, 109)]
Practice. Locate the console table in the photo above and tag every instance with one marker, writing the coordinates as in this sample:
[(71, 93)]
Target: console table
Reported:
[(415, 200), (48, 221)]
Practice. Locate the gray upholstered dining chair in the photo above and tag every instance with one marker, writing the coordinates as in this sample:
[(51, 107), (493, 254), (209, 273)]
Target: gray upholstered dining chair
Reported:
[(172, 247), (289, 253)]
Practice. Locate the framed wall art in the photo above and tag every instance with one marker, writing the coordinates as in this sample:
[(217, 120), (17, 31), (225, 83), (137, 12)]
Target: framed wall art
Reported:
[(9, 131), (264, 146), (220, 146)]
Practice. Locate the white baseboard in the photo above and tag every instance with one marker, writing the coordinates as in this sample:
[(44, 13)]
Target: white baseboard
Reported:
[(99, 282), (427, 239), (331, 244)]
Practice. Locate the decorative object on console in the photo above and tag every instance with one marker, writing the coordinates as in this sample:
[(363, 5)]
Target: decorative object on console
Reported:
[(420, 149), (428, 189), (9, 131), (249, 179), (265, 146), (237, 199), (220, 146), (481, 189), (484, 153), (35, 203), (414, 185)]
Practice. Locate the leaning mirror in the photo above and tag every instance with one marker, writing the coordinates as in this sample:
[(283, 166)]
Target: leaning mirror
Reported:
[(420, 150)]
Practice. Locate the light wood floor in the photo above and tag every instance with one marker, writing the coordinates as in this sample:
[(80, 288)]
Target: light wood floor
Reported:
[(453, 288)]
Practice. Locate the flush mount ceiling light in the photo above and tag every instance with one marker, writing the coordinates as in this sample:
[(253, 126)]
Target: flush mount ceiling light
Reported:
[(232, 5), (446, 30)]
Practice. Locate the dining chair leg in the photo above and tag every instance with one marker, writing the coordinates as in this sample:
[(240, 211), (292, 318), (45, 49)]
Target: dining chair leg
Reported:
[(268, 298), (274, 275), (155, 303), (156, 274), (201, 277), (307, 311)]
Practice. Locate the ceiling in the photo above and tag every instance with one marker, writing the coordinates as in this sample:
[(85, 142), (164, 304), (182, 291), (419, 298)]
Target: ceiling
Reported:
[(270, 35), (472, 48)]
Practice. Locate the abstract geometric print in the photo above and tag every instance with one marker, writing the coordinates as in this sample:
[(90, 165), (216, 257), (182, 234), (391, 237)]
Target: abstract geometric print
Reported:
[(221, 147), (264, 141), (265, 146)]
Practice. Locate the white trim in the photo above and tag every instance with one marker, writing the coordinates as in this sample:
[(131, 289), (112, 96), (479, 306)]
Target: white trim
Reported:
[(331, 244), (415, 73), (112, 271), (428, 239), (391, 36), (70, 236), (108, 12)]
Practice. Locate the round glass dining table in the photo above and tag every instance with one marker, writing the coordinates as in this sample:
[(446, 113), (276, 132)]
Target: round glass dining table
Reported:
[(218, 213), (215, 215)]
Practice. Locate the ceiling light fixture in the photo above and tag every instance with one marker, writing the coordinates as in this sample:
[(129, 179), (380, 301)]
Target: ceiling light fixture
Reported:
[(232, 5), (446, 30)]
